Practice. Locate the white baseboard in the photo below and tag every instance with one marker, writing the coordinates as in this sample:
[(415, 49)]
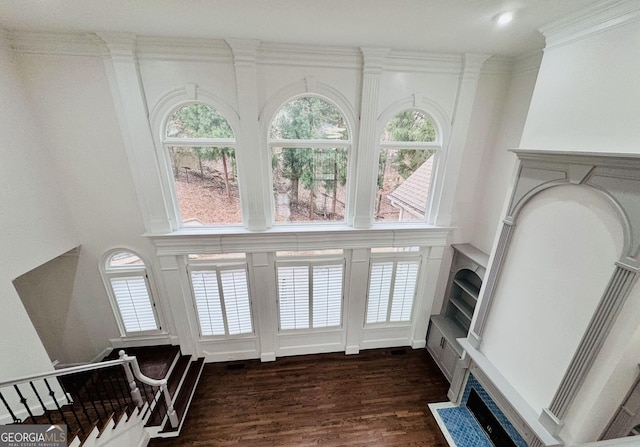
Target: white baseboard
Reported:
[(352, 349), (268, 357), (419, 344)]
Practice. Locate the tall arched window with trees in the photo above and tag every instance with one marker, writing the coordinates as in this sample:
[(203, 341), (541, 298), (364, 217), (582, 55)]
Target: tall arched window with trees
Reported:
[(309, 145), (201, 146), (407, 167)]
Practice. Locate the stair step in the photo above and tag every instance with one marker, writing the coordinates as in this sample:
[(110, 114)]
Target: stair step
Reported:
[(177, 373), (181, 403)]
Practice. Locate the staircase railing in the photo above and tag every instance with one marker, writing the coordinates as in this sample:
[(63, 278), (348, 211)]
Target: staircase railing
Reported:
[(94, 392)]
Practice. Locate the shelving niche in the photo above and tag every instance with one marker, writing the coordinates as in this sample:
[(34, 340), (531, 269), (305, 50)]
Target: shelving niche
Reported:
[(468, 267)]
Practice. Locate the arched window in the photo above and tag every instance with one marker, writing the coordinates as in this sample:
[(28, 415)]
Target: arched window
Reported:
[(309, 145), (201, 146), (127, 282), (406, 169)]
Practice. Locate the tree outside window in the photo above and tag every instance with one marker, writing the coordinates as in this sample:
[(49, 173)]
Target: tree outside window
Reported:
[(201, 146), (309, 148)]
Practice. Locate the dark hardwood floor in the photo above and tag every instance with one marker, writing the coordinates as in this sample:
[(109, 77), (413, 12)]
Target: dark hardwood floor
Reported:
[(376, 398)]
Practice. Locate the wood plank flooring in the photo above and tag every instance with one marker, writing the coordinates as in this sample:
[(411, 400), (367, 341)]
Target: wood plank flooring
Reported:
[(376, 398)]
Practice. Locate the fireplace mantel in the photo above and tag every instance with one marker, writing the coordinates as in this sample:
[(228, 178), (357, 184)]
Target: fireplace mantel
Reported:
[(614, 176)]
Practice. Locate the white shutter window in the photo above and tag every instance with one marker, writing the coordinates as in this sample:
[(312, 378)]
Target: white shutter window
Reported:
[(236, 301), (379, 291), (134, 303), (223, 305), (392, 289), (207, 297), (404, 289), (293, 296), (327, 295)]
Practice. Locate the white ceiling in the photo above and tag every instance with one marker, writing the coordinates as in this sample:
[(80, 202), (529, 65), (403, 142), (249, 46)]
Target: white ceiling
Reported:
[(428, 25)]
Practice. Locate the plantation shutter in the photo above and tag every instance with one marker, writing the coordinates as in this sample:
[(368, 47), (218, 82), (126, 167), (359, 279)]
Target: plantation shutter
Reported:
[(379, 291), (134, 303), (293, 296), (392, 287), (327, 295), (404, 289), (236, 301), (207, 298)]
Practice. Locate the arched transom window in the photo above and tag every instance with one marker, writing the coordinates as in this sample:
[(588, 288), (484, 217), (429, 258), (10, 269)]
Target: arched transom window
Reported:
[(407, 167), (309, 145), (201, 147)]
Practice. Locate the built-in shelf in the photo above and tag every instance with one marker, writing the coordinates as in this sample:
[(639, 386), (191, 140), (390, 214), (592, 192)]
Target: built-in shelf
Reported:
[(467, 287), (463, 308), (465, 280)]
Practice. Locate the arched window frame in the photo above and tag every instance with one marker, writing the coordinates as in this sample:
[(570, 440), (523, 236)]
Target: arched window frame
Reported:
[(341, 105), (159, 117), (168, 142), (139, 271), (439, 119)]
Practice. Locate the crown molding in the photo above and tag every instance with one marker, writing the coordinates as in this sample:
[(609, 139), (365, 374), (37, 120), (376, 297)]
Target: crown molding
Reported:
[(61, 44), (219, 51), (498, 65), (419, 62), (309, 56), (601, 17), (183, 49), (529, 62)]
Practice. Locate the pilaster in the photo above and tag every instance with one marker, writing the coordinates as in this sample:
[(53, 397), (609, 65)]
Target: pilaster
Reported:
[(251, 152), (131, 109), (367, 137)]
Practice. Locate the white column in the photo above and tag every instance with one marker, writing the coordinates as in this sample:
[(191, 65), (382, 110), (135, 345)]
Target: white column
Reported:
[(367, 162), (424, 296), (357, 295), (488, 287), (180, 306), (265, 308), (251, 150), (131, 109)]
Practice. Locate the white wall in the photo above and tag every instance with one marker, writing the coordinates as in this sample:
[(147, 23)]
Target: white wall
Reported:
[(46, 293), (28, 182), (72, 100), (498, 166), (559, 262), (586, 97)]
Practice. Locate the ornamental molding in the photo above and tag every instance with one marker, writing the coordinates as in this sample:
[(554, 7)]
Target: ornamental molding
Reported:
[(199, 241), (603, 16), (218, 51), (616, 177)]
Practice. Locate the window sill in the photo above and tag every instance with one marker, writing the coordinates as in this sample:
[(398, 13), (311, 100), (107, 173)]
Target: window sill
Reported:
[(298, 237)]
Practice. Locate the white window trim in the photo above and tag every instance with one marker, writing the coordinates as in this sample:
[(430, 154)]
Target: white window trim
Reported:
[(395, 259), (159, 117), (347, 144), (441, 122), (310, 263), (132, 271), (217, 268)]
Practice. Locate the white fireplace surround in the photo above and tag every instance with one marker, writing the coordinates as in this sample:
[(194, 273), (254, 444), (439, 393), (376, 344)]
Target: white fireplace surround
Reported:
[(616, 177)]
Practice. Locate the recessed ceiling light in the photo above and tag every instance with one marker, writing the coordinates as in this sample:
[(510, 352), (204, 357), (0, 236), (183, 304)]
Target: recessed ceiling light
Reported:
[(504, 19)]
